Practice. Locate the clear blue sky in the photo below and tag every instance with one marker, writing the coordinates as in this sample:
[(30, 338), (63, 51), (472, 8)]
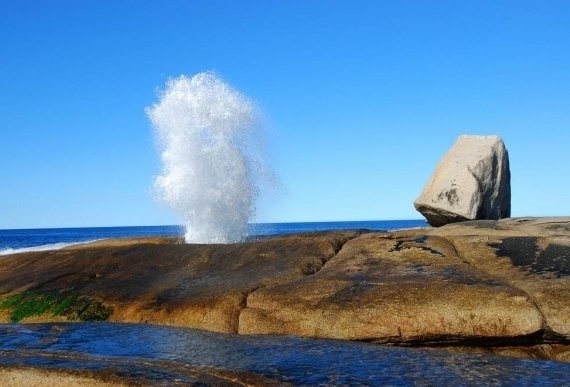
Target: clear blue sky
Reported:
[(363, 98)]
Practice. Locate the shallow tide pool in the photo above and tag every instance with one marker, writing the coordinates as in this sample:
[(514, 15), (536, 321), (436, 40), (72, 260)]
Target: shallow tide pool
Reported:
[(158, 354)]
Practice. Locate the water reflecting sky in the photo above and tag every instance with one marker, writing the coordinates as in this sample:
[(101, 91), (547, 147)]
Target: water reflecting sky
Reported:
[(158, 353)]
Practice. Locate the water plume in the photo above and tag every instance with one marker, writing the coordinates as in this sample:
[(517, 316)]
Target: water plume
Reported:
[(206, 131)]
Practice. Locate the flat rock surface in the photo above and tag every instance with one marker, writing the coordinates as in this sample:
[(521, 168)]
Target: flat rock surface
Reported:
[(482, 283)]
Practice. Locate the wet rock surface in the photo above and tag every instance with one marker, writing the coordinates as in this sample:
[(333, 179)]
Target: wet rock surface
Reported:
[(526, 252), (495, 285)]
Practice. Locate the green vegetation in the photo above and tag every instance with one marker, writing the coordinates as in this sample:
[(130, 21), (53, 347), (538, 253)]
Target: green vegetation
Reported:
[(28, 304), (63, 305)]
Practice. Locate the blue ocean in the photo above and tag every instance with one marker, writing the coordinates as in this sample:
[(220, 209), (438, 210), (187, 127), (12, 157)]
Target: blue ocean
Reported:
[(13, 241)]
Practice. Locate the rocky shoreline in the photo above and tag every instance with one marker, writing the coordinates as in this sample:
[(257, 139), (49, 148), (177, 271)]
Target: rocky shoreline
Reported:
[(482, 286)]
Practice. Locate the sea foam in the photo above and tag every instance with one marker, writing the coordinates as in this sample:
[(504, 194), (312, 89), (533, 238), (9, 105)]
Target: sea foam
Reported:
[(206, 132), (46, 247)]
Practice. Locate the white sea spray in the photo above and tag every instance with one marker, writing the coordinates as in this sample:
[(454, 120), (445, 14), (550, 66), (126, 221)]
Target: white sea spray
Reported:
[(207, 133)]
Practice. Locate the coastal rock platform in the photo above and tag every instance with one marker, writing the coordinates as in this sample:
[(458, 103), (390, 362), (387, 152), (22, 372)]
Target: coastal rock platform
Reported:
[(487, 286)]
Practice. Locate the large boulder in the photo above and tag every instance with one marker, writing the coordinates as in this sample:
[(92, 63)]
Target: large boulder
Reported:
[(471, 182)]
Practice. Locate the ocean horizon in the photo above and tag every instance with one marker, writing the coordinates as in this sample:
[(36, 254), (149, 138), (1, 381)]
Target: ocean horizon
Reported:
[(41, 239)]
